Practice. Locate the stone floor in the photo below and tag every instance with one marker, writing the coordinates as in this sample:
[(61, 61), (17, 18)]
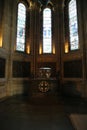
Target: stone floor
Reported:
[(39, 113)]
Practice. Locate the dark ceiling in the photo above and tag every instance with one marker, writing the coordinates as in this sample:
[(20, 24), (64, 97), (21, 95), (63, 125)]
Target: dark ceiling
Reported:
[(43, 2)]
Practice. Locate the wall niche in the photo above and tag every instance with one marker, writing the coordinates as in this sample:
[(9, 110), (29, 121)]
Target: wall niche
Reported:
[(73, 69), (21, 69), (2, 67)]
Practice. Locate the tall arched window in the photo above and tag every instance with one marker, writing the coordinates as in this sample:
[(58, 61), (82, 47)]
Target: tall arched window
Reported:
[(47, 31), (73, 25), (21, 21)]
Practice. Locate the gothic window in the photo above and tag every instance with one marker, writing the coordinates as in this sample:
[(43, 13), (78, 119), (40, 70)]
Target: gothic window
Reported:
[(47, 31), (21, 21), (73, 25)]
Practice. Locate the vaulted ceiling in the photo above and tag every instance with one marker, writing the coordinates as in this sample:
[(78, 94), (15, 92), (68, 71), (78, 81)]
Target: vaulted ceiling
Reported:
[(45, 2)]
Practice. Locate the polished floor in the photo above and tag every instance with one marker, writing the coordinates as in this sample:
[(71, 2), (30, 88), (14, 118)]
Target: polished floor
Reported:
[(39, 113)]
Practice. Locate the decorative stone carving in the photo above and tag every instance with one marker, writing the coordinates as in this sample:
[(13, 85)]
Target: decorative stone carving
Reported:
[(44, 72)]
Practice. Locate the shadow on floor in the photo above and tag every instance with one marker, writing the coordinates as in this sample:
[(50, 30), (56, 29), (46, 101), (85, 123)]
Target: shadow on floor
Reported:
[(37, 113)]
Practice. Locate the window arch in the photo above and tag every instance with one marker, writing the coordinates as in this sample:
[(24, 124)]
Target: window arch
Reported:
[(47, 30), (21, 27), (71, 26)]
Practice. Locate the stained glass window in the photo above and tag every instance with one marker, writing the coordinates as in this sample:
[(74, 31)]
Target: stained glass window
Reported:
[(73, 26), (21, 20), (47, 31)]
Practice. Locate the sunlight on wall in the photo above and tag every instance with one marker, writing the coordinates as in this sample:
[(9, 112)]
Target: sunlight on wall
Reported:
[(0, 41), (66, 47), (40, 49), (28, 49), (54, 49)]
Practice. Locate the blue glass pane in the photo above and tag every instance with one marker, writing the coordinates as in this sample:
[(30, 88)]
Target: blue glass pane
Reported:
[(20, 42), (47, 32), (73, 25)]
